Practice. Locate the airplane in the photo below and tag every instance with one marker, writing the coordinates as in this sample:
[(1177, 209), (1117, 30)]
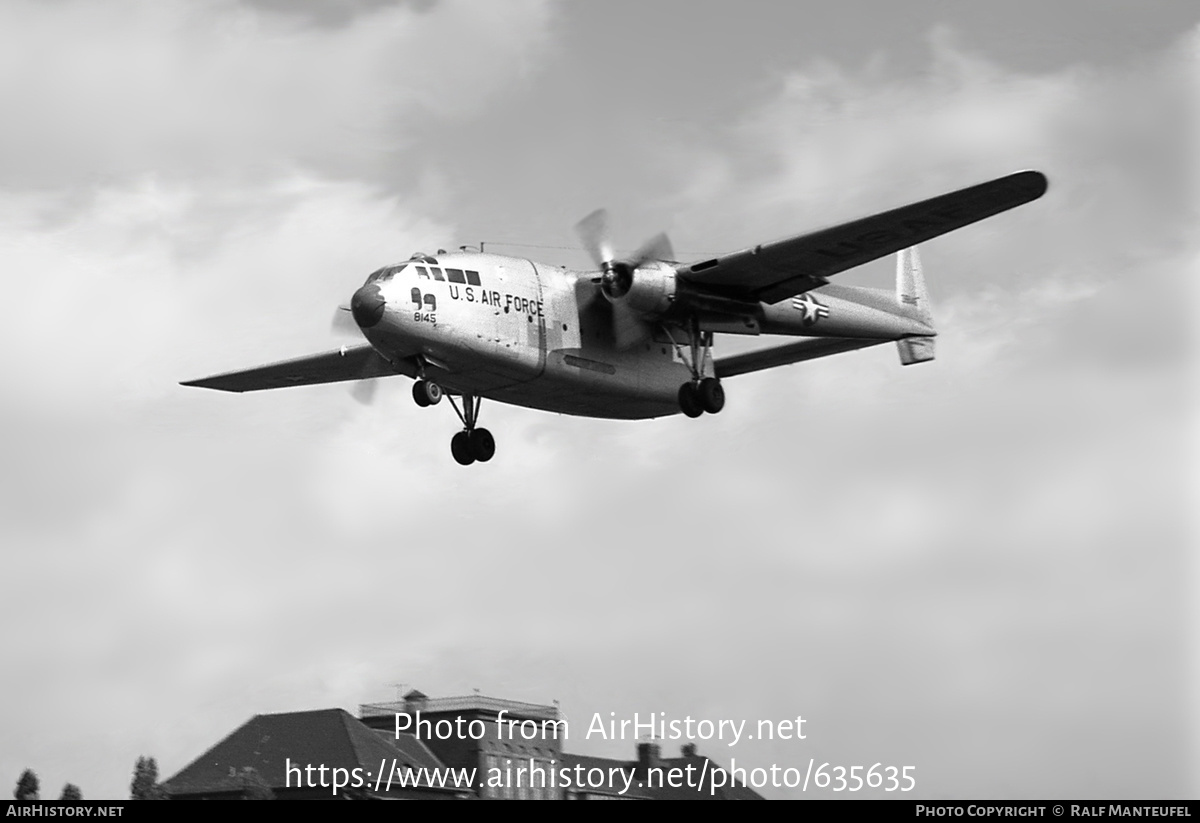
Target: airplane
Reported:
[(632, 339)]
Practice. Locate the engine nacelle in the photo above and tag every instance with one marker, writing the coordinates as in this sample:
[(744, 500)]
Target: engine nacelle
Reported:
[(649, 289)]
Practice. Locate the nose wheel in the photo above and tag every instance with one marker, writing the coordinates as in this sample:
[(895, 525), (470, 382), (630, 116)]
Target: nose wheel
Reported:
[(427, 393)]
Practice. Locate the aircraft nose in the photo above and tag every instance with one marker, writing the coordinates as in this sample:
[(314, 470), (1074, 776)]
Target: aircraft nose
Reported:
[(367, 306)]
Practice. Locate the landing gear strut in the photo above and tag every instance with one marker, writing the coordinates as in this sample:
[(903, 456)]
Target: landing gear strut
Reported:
[(701, 394), (471, 444)]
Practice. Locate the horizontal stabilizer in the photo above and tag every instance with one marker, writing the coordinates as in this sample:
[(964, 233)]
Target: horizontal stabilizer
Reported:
[(808, 349), (915, 350)]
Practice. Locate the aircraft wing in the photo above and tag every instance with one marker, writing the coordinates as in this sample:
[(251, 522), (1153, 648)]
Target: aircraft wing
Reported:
[(807, 349), (348, 363), (775, 271)]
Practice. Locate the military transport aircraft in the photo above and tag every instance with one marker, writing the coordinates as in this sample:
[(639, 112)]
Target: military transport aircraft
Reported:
[(632, 339)]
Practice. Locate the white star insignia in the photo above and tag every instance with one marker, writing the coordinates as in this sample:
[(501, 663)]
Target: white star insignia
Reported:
[(813, 309)]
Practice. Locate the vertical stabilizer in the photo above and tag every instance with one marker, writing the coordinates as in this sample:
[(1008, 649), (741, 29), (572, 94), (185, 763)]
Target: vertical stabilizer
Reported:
[(910, 293)]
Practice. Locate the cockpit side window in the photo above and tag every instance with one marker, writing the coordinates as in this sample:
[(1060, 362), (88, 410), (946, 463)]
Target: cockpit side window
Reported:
[(385, 274)]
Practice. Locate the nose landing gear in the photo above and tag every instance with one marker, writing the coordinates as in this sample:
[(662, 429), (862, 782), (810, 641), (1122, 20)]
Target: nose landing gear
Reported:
[(427, 393)]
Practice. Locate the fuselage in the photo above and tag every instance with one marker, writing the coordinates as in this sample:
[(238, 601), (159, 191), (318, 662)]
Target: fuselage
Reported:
[(512, 330), (529, 334)]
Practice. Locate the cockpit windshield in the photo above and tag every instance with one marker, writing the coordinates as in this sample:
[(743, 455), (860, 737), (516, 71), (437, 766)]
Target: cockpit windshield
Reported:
[(385, 274)]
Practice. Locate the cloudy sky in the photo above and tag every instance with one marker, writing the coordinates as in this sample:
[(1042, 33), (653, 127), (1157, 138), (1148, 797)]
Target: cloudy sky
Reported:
[(980, 567)]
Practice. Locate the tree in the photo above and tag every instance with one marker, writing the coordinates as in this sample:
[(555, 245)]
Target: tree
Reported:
[(253, 785), (145, 784), (71, 792), (28, 787)]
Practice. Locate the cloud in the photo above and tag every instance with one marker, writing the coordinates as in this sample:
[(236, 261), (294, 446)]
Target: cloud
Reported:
[(91, 92), (153, 281), (984, 541), (181, 174), (185, 184), (833, 144), (1041, 449)]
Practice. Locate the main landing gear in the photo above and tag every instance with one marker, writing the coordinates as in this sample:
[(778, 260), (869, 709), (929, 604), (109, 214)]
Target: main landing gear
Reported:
[(705, 396), (471, 444), (701, 394)]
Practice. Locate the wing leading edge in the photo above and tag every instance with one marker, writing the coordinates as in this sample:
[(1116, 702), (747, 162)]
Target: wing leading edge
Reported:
[(351, 363), (775, 271)]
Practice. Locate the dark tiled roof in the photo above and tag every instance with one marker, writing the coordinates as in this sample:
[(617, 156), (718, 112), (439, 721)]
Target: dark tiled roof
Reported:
[(613, 782), (655, 784), (728, 790), (267, 742)]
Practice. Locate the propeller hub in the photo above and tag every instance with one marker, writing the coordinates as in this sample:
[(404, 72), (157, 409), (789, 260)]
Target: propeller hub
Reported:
[(616, 280), (367, 306)]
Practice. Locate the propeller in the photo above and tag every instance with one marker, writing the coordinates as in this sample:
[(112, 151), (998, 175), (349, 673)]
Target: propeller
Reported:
[(616, 276), (593, 232), (364, 390), (344, 325)]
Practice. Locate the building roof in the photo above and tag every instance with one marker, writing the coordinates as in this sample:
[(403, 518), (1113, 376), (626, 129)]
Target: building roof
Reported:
[(693, 774), (269, 743), (416, 701)]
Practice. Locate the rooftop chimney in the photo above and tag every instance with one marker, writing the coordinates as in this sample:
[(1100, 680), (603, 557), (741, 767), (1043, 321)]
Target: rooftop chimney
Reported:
[(649, 755), (415, 700)]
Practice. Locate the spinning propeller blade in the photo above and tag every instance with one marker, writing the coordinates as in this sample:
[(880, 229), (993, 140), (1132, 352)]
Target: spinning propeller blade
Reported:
[(628, 328), (656, 248), (364, 391), (593, 233), (343, 323)]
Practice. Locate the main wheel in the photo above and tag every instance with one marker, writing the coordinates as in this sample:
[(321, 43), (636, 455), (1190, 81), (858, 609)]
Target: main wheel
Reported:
[(460, 447), (426, 393), (483, 445), (689, 400), (712, 395)]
